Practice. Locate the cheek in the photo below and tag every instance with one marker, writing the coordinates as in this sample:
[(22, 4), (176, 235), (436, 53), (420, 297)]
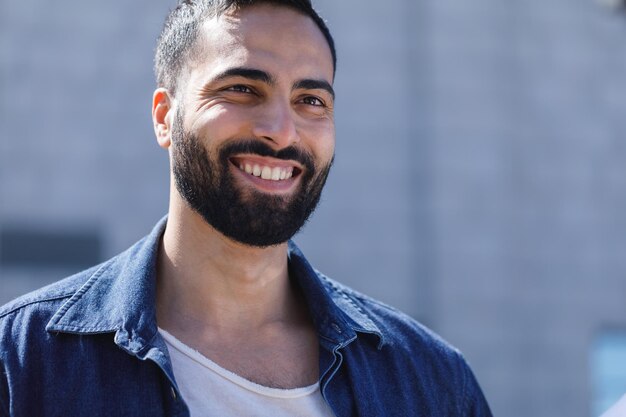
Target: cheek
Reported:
[(221, 122), (323, 143), (317, 132)]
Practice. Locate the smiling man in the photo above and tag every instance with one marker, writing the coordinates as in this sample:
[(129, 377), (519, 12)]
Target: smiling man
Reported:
[(216, 312)]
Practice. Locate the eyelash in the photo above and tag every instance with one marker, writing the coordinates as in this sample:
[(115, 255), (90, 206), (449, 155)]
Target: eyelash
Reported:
[(244, 89), (239, 87), (319, 103)]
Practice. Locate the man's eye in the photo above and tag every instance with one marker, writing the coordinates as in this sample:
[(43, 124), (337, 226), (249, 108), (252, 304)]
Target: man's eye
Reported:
[(239, 89), (313, 101)]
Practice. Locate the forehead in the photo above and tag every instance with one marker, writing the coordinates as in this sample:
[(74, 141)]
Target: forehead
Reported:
[(276, 39)]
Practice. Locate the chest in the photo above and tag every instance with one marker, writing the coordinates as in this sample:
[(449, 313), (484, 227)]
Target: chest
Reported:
[(288, 359), (210, 390), (288, 362)]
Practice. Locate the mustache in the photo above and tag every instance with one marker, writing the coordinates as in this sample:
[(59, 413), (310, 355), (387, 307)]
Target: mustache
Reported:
[(254, 146)]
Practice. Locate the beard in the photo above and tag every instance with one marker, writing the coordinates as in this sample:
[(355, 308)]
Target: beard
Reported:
[(240, 213)]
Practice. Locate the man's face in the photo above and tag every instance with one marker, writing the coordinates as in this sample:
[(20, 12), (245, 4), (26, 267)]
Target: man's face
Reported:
[(253, 136)]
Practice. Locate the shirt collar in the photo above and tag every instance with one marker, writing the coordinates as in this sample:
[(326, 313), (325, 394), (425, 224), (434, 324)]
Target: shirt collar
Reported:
[(335, 311), (120, 297)]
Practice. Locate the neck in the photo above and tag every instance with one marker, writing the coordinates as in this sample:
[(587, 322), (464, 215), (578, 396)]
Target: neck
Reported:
[(206, 280)]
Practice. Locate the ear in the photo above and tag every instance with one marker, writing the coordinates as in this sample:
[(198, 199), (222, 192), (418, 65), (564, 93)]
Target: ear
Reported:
[(162, 115)]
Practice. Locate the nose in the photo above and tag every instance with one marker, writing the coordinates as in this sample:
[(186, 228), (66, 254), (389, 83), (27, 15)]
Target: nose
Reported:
[(276, 124)]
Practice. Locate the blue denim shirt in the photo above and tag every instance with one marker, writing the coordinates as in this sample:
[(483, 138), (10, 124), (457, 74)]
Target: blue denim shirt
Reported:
[(89, 346)]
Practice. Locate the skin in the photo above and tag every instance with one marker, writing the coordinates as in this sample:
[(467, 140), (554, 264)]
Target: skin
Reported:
[(232, 302)]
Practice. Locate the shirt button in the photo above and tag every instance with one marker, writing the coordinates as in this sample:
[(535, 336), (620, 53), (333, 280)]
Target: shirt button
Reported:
[(173, 391)]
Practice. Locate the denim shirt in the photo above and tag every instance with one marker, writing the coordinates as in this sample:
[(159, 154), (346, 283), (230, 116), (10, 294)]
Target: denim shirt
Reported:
[(89, 346)]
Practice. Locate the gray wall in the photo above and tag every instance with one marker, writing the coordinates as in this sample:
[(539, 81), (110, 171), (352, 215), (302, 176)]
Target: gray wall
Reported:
[(530, 192), (480, 178)]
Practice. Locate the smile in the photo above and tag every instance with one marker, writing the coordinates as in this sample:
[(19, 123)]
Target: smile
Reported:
[(266, 170)]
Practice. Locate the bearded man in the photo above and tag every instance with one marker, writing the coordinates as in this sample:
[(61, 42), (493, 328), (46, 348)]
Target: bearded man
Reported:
[(216, 312)]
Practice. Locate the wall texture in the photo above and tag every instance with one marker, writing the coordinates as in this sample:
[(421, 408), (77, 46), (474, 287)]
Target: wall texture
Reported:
[(529, 179)]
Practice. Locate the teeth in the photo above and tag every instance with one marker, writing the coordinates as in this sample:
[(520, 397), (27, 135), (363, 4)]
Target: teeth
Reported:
[(267, 173)]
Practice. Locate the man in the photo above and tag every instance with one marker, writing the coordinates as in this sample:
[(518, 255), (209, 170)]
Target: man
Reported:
[(216, 312)]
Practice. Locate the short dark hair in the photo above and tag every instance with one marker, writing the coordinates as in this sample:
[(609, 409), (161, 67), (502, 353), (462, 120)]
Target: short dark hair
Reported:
[(182, 24)]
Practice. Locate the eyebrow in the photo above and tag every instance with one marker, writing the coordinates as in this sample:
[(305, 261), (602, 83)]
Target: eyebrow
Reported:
[(250, 73), (314, 85), (260, 75)]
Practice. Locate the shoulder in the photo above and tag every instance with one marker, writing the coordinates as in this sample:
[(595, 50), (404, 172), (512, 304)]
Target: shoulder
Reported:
[(404, 340), (47, 299), (24, 340), (397, 328), (415, 351), (41, 304)]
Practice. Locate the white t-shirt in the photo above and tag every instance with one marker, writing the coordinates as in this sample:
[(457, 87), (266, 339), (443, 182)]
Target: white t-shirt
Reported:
[(212, 391)]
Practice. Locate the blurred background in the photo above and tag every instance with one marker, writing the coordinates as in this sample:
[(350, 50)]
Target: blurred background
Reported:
[(479, 185)]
